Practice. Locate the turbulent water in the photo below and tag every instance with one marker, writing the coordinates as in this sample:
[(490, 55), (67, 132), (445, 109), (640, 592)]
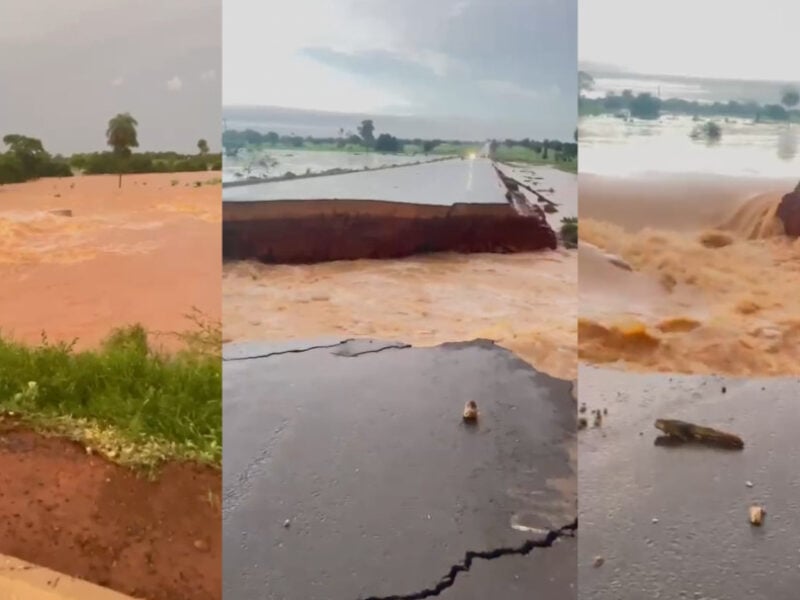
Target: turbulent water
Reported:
[(156, 239), (525, 302), (714, 286)]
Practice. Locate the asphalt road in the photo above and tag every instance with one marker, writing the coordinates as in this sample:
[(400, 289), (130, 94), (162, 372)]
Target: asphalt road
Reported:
[(672, 522), (348, 472), (437, 183)]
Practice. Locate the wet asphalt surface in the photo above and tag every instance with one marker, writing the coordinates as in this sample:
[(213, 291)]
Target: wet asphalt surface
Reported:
[(348, 472), (437, 183), (672, 522)]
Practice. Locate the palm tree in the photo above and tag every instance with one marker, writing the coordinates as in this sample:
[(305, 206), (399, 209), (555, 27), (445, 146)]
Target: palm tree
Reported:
[(121, 136)]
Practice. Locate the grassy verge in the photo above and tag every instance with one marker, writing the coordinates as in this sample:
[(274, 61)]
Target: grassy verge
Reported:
[(530, 156), (569, 232), (124, 400)]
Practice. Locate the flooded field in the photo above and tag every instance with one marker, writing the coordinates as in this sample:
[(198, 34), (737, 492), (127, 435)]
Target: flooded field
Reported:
[(615, 147), (264, 163), (95, 246), (704, 280)]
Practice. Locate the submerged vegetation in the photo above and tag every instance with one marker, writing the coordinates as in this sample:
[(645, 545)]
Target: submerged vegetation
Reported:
[(124, 400), (709, 131)]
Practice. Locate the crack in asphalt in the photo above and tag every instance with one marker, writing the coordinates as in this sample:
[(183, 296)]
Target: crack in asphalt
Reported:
[(466, 564), (390, 347), (292, 351), (322, 347)]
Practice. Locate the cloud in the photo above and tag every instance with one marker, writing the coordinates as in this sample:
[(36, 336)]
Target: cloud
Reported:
[(209, 75), (117, 81), (175, 84), (507, 88)]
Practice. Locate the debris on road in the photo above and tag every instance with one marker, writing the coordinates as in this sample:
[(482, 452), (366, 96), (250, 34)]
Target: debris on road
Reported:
[(757, 514), (682, 432), (471, 412), (598, 561)]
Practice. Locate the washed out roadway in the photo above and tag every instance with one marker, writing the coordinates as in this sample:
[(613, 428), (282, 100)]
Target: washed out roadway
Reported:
[(445, 182), (672, 522), (348, 473)]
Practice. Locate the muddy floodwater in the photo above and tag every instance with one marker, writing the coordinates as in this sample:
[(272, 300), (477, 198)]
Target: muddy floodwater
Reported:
[(526, 302), (688, 273), (146, 253)]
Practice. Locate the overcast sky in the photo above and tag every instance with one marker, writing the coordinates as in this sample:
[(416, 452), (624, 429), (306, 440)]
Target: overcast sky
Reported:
[(723, 39), (67, 67), (510, 59)]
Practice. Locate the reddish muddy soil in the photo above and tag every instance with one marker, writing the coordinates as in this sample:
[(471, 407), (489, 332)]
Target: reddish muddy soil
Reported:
[(79, 514)]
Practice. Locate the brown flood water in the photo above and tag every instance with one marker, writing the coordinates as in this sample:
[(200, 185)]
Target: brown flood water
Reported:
[(524, 302), (147, 253), (714, 285)]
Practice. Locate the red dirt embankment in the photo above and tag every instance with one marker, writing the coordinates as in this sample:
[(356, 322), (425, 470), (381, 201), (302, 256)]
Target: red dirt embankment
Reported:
[(789, 212), (86, 517), (312, 231)]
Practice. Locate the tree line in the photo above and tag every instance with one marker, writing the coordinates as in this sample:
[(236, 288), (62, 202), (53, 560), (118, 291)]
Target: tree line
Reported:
[(234, 140), (647, 106), (26, 158)]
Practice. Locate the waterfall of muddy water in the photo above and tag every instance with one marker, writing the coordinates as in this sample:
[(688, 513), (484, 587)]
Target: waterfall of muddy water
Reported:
[(146, 253), (525, 302), (713, 283)]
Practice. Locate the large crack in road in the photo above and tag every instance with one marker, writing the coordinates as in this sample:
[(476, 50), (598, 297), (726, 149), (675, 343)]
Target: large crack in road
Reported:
[(465, 565), (371, 455)]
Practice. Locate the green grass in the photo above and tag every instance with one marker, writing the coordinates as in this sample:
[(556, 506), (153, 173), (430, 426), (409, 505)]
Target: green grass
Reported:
[(528, 155), (569, 232), (123, 400)]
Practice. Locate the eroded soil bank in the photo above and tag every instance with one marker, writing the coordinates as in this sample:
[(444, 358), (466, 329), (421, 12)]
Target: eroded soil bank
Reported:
[(74, 512), (312, 231)]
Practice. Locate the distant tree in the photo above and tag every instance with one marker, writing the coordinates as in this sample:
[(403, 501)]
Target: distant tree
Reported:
[(613, 103), (367, 132), (790, 98), (387, 143), (776, 112), (121, 136), (202, 146), (585, 81), (272, 138), (29, 152), (429, 145), (645, 106)]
